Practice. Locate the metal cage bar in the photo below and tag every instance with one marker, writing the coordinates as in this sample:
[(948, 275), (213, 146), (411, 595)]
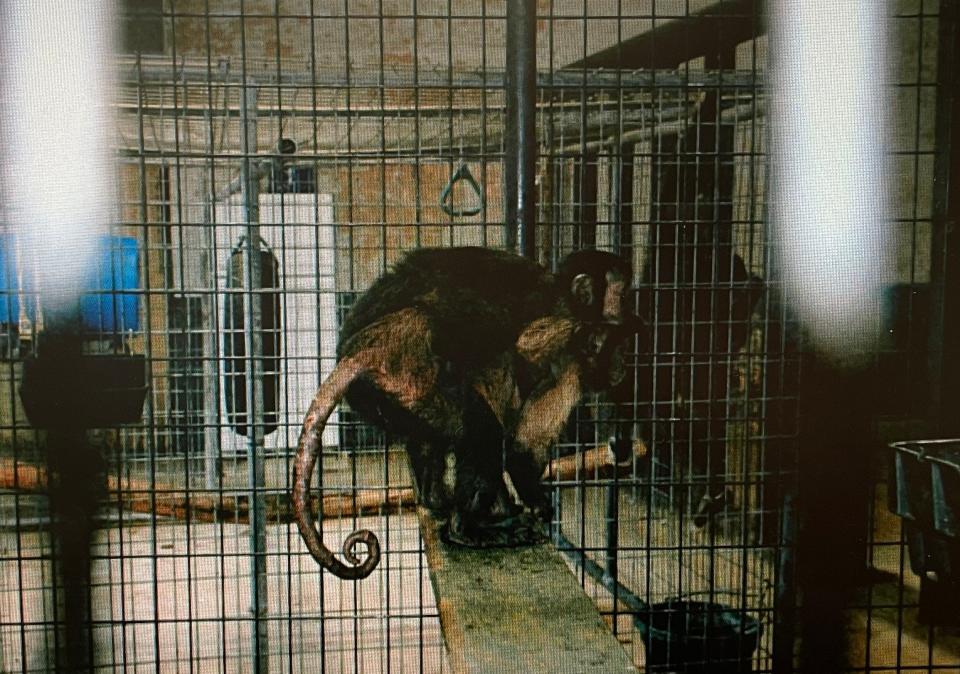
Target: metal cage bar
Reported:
[(650, 129)]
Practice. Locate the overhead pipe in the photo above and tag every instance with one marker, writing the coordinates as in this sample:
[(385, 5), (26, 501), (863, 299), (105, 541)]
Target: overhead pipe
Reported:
[(279, 154)]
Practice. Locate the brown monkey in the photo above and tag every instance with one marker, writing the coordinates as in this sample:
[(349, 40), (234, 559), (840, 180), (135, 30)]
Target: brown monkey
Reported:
[(458, 350), (564, 359)]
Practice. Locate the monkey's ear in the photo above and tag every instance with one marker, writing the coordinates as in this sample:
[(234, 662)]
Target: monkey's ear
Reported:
[(582, 289)]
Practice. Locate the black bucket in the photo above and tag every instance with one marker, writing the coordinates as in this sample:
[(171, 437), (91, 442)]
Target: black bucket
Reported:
[(693, 637)]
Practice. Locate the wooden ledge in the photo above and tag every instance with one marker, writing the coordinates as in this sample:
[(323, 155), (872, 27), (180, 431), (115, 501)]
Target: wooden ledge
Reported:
[(517, 610)]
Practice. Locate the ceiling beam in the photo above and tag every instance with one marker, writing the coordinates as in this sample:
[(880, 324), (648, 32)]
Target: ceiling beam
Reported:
[(718, 27)]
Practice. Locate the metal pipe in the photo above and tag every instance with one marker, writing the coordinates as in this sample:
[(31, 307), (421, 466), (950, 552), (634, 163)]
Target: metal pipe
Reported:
[(612, 517), (211, 367), (257, 169), (250, 180), (399, 77), (784, 618), (944, 356), (635, 604), (57, 186), (520, 137), (75, 486)]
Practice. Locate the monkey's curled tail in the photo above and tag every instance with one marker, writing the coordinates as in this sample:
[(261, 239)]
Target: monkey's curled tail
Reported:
[(329, 394)]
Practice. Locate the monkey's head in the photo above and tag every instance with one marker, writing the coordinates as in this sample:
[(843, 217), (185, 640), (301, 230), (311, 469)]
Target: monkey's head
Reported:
[(596, 287)]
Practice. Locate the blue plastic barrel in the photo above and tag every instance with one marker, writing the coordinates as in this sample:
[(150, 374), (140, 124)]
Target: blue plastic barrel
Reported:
[(110, 301)]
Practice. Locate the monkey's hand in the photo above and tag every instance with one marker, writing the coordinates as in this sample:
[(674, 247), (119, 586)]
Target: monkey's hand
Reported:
[(622, 449)]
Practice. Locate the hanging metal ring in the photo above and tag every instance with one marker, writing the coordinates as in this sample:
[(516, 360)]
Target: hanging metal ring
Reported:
[(446, 201)]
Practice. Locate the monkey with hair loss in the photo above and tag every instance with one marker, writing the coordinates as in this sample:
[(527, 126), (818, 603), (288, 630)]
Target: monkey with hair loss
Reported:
[(472, 356)]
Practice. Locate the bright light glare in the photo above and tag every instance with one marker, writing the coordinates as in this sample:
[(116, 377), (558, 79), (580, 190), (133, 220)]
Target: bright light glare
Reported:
[(829, 105), (58, 162)]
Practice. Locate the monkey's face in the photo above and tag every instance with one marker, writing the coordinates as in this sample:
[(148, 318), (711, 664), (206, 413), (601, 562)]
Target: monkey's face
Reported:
[(601, 297), (597, 286), (615, 308)]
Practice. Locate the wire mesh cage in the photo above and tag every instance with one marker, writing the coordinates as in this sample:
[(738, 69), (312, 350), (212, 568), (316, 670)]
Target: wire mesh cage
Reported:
[(276, 157)]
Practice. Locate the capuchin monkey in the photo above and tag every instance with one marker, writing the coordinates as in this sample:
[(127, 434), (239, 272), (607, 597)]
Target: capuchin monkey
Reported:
[(472, 355)]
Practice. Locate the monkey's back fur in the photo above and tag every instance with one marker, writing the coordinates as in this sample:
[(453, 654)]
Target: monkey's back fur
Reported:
[(471, 305), (487, 298)]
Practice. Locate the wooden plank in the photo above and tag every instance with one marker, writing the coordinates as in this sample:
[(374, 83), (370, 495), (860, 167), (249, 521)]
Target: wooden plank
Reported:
[(140, 496), (171, 500), (516, 610)]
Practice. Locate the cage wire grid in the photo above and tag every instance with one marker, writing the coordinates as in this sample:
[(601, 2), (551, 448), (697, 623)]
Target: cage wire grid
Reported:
[(196, 563)]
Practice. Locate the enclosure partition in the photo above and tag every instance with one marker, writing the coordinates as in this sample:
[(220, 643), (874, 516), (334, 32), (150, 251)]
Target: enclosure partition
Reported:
[(276, 156)]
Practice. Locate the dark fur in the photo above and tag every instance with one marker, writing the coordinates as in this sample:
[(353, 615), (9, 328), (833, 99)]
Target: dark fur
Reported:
[(477, 300), (460, 350), (705, 325)]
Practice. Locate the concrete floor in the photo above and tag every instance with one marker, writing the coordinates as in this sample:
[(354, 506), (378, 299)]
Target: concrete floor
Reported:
[(895, 637), (178, 595), (183, 601), (660, 557)]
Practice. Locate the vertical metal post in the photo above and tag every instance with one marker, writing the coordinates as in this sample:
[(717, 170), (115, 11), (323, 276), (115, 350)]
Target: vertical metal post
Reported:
[(785, 615), (57, 55), (944, 353), (621, 186), (75, 485), (520, 131), (211, 370), (828, 227), (252, 294), (612, 517)]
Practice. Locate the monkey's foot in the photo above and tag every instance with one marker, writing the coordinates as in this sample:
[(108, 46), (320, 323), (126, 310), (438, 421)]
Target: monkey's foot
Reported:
[(436, 499), (504, 508), (540, 506), (507, 532)]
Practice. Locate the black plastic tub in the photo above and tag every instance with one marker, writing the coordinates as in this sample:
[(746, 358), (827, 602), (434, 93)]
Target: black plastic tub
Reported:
[(95, 391), (925, 492), (694, 637)]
